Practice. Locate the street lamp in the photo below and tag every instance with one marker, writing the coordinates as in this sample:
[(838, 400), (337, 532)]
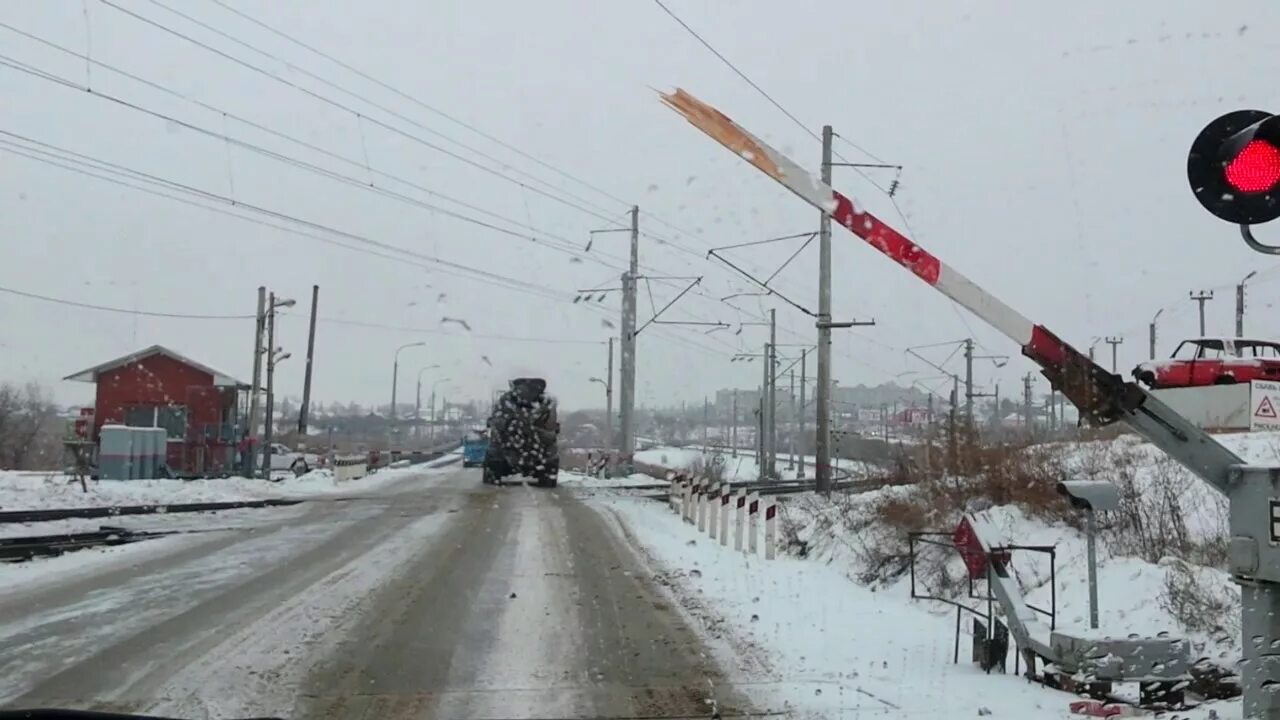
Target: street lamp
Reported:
[(274, 355), (417, 402), (431, 433), (1240, 309), (608, 409), (395, 375)]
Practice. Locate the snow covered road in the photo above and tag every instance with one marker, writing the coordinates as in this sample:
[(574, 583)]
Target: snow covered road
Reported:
[(438, 597)]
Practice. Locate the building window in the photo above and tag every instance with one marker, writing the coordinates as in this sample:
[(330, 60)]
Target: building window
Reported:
[(173, 418)]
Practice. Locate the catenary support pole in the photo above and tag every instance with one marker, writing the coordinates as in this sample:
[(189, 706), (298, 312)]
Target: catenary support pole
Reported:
[(305, 410), (627, 400), (822, 472), (271, 396), (804, 446), (255, 390)]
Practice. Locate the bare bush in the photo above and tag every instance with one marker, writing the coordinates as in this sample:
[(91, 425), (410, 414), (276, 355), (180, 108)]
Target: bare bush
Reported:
[(711, 467), (30, 433), (1201, 603)]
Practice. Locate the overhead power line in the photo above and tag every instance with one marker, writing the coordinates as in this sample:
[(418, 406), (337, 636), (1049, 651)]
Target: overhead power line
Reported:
[(119, 310), (564, 246), (574, 203), (221, 33), (416, 101), (45, 152), (171, 190)]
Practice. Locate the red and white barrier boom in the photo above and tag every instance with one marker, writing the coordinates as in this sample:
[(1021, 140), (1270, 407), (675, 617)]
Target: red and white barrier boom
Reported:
[(1101, 396)]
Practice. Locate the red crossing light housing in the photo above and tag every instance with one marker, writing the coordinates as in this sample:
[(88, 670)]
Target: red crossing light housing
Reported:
[(1234, 167)]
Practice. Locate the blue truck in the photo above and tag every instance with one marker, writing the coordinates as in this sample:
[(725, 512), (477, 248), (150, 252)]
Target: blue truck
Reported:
[(474, 448)]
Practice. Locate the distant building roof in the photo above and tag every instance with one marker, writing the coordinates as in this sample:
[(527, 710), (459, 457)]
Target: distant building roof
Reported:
[(91, 374)]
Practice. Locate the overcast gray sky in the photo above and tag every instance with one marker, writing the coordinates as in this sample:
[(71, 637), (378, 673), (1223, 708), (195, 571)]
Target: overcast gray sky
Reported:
[(1044, 147)]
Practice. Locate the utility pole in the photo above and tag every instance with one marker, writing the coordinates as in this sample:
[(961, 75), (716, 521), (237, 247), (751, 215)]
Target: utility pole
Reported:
[(256, 388), (822, 473), (760, 433), (271, 397), (706, 418), (1240, 308), (1026, 404), (803, 447), (1201, 297), (771, 360), (1152, 336), (1114, 342), (968, 381), (733, 429), (627, 402), (608, 401), (311, 352), (951, 423), (791, 433), (764, 417)]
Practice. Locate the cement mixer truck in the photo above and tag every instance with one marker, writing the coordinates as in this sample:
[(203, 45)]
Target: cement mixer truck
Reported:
[(523, 435)]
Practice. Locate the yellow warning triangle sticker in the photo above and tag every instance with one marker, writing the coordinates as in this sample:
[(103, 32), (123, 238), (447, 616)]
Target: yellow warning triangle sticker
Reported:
[(1265, 408)]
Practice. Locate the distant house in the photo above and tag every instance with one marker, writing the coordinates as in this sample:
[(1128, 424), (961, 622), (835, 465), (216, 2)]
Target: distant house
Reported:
[(158, 387)]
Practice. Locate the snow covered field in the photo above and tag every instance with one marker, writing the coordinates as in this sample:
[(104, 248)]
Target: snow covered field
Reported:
[(740, 468), (31, 491)]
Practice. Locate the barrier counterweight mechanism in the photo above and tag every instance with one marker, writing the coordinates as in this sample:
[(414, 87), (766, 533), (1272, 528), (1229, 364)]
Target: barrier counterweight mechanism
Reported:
[(1102, 397)]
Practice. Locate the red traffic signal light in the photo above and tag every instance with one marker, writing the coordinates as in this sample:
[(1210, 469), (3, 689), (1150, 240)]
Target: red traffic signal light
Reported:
[(1234, 167)]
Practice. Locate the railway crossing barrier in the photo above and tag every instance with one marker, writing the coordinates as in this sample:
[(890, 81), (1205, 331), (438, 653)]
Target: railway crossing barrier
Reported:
[(350, 467)]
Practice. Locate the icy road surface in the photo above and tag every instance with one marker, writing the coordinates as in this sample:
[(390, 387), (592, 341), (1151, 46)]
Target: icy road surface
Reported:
[(438, 597)]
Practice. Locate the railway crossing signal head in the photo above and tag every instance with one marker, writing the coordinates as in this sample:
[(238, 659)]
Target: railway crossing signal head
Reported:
[(1234, 167)]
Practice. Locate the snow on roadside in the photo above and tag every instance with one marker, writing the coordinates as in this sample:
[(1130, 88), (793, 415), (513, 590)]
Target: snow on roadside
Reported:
[(824, 646), (739, 468), (832, 647), (568, 478), (26, 491)]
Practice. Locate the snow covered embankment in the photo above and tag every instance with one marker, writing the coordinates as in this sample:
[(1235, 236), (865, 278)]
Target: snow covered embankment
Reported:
[(835, 619)]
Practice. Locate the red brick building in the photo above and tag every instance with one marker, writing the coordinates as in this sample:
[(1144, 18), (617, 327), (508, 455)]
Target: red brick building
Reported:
[(158, 387)]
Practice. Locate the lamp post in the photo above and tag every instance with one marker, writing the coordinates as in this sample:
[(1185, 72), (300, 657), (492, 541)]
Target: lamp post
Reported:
[(417, 402), (274, 355), (431, 434), (608, 409), (395, 377)]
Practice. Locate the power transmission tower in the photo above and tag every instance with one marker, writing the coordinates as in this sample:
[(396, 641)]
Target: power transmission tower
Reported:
[(1201, 297), (1114, 342), (627, 400)]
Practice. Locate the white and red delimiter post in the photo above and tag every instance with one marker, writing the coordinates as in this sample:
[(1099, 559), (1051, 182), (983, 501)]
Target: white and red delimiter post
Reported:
[(740, 499), (726, 493), (770, 527)]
